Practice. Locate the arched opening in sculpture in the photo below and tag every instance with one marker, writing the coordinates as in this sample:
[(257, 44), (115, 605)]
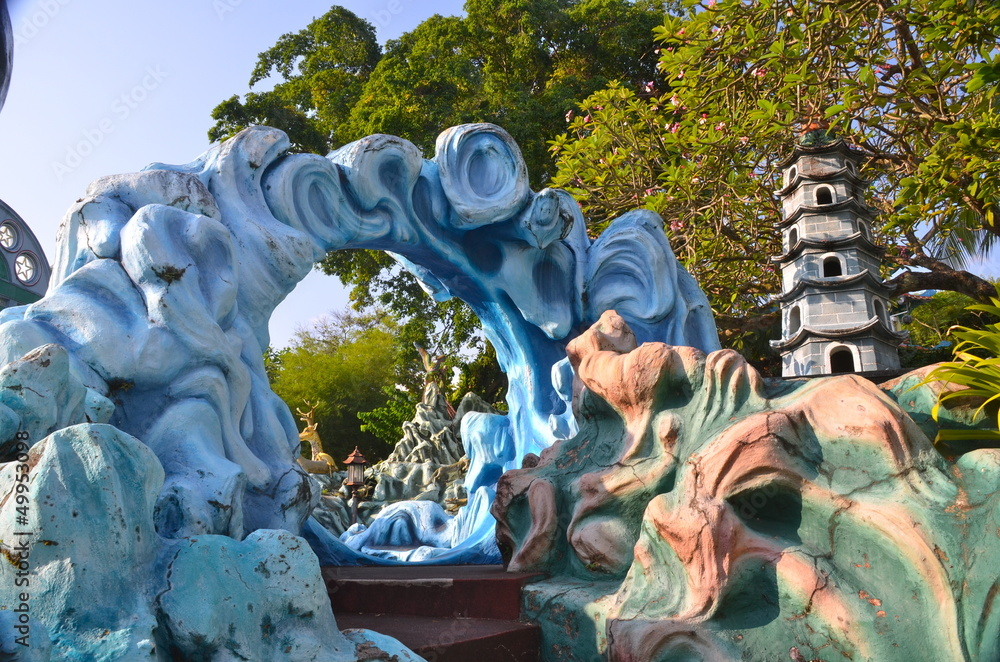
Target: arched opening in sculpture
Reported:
[(880, 312), (832, 267), (792, 174), (824, 195), (842, 360), (246, 222), (249, 221), (794, 319), (863, 229)]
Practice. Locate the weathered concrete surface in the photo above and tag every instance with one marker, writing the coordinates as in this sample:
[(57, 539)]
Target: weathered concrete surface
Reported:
[(735, 519), (87, 577)]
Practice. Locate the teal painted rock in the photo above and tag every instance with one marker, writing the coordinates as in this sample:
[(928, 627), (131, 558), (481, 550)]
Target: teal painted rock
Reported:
[(82, 525), (85, 576), (704, 514), (267, 602)]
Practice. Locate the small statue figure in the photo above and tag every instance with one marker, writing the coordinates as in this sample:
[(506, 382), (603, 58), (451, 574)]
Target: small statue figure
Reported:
[(435, 372), (450, 472), (321, 463)]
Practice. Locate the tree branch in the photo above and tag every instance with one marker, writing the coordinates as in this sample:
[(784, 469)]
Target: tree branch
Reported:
[(727, 324), (943, 278)]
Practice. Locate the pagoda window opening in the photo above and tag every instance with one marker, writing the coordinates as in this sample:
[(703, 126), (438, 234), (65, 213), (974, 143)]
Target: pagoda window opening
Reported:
[(851, 167), (824, 195), (880, 312), (842, 361), (794, 319), (863, 229), (793, 238), (832, 267), (792, 174)]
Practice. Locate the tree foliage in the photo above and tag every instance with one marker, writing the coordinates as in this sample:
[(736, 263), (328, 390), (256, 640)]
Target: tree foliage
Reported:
[(911, 83), (343, 365), (930, 320), (522, 64), (321, 71), (976, 367)]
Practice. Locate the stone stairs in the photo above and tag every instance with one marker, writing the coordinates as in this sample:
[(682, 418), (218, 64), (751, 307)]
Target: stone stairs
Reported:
[(443, 613)]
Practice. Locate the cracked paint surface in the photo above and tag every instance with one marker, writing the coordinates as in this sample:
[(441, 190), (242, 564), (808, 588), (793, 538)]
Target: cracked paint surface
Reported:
[(727, 518)]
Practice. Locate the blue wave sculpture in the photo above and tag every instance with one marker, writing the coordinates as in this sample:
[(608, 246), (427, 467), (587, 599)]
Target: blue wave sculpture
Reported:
[(165, 280)]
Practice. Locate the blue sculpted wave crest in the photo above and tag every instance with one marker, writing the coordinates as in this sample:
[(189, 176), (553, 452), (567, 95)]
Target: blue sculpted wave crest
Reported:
[(165, 280)]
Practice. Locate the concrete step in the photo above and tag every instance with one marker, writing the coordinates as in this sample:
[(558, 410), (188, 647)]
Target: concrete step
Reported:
[(460, 591), (454, 639)]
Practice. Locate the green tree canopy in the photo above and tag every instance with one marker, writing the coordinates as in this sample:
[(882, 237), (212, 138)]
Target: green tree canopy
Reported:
[(343, 365), (320, 70), (911, 83), (522, 64), (930, 319)]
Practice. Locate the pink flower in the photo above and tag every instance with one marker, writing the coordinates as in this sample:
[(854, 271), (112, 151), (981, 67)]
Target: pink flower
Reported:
[(587, 118), (695, 180), (744, 139), (675, 127), (676, 100), (711, 3), (789, 12), (720, 126), (569, 115), (676, 226)]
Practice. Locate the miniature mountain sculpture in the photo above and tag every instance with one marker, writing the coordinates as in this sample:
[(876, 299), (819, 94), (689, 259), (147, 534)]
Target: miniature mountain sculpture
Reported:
[(429, 462)]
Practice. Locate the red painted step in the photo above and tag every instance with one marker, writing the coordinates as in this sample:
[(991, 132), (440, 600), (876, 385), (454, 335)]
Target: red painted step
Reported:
[(466, 591), (443, 613), (454, 639)]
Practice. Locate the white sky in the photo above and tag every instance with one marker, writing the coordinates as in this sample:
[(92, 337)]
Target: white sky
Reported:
[(173, 61)]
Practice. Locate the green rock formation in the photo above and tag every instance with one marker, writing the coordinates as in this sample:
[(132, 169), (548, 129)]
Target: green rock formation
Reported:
[(702, 513)]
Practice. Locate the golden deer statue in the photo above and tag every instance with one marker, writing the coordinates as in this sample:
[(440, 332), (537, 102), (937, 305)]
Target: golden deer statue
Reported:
[(321, 463)]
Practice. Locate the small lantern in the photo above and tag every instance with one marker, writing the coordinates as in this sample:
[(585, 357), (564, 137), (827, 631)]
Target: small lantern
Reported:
[(356, 464)]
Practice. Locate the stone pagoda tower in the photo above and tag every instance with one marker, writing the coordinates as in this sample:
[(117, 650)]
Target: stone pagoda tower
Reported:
[(834, 304)]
